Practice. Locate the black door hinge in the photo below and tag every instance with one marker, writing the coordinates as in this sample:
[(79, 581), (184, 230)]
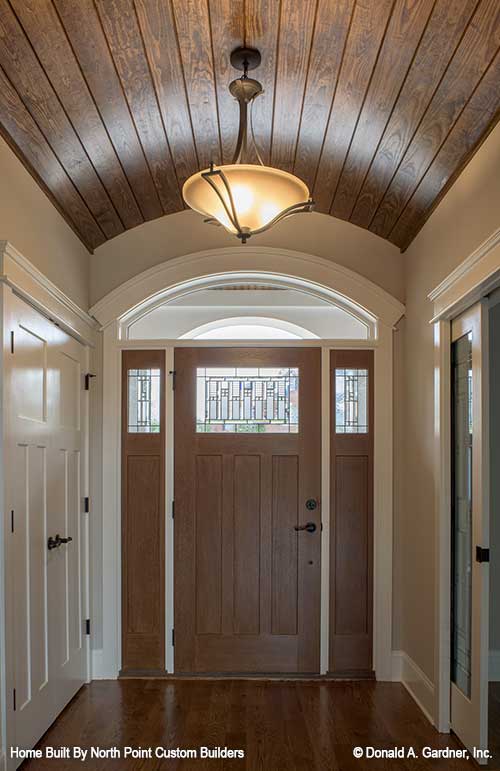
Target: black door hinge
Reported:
[(88, 375), (12, 341), (86, 504), (12, 521), (87, 626), (173, 509), (482, 555), (14, 699), (173, 373), (173, 636)]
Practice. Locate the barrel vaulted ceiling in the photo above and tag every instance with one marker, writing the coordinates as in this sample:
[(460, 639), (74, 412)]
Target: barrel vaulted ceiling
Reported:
[(376, 104)]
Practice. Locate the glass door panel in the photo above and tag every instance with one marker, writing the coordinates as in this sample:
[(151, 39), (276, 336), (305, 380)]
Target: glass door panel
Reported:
[(461, 551)]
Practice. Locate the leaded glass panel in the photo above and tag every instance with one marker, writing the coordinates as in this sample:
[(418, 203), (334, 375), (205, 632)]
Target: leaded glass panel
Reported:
[(249, 400), (143, 401), (351, 401)]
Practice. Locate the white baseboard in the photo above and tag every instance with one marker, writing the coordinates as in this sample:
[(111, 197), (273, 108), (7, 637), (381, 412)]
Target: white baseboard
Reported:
[(101, 668), (416, 682), (494, 673)]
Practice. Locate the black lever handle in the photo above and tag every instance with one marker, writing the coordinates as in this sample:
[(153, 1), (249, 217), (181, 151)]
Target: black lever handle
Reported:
[(55, 543), (309, 526)]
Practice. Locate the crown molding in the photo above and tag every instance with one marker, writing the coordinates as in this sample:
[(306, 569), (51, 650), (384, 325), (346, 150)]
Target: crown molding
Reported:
[(474, 277), (17, 272)]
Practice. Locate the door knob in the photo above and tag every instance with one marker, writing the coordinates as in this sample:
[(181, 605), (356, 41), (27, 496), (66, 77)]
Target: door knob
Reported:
[(64, 540), (309, 526)]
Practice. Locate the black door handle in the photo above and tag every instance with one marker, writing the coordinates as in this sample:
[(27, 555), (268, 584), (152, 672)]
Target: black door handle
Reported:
[(55, 543), (309, 526)]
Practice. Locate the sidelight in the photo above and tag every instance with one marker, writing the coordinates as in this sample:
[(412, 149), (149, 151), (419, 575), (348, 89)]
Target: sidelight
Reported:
[(249, 400), (351, 401), (143, 401)]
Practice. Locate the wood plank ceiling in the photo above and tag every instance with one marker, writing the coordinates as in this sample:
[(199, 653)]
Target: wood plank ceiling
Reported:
[(376, 104)]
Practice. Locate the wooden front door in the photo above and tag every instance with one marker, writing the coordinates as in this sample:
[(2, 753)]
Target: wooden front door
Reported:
[(247, 475)]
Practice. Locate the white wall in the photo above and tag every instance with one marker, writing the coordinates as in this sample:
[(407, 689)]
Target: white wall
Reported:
[(468, 214), (185, 232), (29, 220)]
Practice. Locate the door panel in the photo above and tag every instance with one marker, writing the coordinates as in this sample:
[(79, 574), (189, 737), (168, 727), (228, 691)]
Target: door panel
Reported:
[(470, 528), (246, 559), (247, 583), (284, 578), (143, 511), (43, 393), (351, 543)]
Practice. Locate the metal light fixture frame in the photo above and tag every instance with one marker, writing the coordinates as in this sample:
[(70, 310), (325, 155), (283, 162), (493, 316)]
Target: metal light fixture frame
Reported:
[(245, 90)]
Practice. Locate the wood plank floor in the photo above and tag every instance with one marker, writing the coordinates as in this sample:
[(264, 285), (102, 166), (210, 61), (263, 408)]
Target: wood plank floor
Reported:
[(279, 725)]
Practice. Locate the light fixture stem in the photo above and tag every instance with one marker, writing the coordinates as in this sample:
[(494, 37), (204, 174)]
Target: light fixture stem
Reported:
[(241, 152)]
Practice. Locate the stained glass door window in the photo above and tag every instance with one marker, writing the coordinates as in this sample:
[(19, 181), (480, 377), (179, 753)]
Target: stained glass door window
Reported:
[(247, 400), (351, 401), (143, 401)]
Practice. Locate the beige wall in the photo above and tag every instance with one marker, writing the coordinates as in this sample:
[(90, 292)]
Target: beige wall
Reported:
[(183, 233), (34, 226), (468, 214)]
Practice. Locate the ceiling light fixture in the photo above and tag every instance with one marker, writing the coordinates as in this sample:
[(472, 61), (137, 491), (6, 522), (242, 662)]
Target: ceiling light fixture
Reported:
[(246, 198)]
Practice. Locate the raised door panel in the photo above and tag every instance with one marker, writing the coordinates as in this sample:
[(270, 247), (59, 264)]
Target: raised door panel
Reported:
[(284, 577), (247, 544), (143, 500), (351, 624), (57, 568), (208, 556)]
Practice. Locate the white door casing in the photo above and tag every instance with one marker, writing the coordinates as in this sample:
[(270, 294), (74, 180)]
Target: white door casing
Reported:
[(469, 713), (45, 469), (474, 278)]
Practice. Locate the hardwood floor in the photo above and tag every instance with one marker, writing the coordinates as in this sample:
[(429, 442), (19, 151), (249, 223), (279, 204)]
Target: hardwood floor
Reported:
[(306, 726)]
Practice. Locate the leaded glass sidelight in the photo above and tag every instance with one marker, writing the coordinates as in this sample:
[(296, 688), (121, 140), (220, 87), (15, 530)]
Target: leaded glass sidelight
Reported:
[(351, 401), (143, 401), (249, 400)]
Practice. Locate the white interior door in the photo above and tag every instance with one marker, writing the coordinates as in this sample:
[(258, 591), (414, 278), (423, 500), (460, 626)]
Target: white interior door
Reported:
[(45, 588), (470, 529)]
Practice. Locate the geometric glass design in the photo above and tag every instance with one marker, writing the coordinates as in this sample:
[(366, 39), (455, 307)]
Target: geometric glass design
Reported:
[(351, 401), (252, 400), (144, 401)]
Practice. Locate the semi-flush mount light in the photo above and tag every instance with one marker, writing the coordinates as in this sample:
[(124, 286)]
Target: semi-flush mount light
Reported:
[(246, 198)]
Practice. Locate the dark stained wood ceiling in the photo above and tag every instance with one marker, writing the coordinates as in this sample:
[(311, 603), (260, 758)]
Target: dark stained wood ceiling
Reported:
[(376, 104)]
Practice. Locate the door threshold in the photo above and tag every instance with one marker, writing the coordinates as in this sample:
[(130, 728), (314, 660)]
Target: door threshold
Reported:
[(145, 674)]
